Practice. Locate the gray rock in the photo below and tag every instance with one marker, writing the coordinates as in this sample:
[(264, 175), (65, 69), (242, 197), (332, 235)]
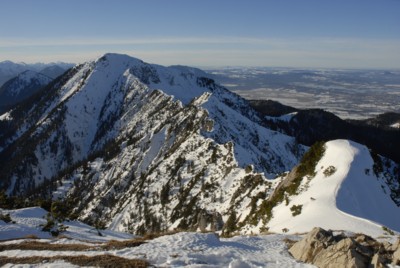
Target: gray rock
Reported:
[(396, 253), (342, 254), (213, 220), (325, 250), (378, 261), (306, 249)]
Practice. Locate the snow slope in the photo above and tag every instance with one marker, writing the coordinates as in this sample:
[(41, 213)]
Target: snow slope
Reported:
[(187, 250), (353, 198), (177, 250), (184, 249), (206, 250), (29, 221)]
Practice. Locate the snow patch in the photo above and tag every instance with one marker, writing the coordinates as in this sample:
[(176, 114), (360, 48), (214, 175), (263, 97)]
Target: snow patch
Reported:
[(29, 221), (6, 117), (284, 118), (395, 125)]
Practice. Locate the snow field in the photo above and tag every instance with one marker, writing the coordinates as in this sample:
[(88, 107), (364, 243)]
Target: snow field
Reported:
[(176, 250), (346, 200)]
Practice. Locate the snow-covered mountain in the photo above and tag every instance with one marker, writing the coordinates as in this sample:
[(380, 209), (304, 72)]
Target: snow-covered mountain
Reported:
[(349, 190), (133, 133), (9, 69), (22, 87), (23, 83), (143, 148), (18, 81)]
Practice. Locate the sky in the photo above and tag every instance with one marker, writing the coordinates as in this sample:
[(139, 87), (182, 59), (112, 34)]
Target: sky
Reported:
[(213, 33)]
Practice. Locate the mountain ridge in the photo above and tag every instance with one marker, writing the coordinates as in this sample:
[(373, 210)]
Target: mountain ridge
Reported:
[(144, 148), (113, 112), (9, 69)]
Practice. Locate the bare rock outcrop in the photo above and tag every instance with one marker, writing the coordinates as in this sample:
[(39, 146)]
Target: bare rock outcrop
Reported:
[(209, 221), (396, 253), (306, 249), (325, 250)]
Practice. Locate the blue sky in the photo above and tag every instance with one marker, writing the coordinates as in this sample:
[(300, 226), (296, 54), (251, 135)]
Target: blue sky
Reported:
[(295, 33)]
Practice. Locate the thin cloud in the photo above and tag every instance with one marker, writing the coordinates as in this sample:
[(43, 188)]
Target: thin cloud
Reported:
[(215, 51), (23, 42), (134, 41)]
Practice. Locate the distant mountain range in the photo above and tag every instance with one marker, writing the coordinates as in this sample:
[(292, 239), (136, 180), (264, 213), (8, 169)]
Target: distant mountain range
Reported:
[(18, 81), (144, 148), (9, 69)]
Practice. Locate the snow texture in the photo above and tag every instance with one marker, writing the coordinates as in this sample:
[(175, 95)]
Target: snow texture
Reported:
[(177, 250), (350, 199), (29, 221)]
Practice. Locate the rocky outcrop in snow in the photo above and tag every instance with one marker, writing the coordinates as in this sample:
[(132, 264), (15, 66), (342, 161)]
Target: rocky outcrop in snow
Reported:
[(326, 250)]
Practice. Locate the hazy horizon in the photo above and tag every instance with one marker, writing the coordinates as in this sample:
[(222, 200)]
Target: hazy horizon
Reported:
[(308, 34), (216, 67)]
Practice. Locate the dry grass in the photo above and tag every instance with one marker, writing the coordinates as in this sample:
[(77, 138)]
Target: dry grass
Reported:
[(105, 260), (36, 245), (81, 260), (31, 237), (151, 236), (113, 244)]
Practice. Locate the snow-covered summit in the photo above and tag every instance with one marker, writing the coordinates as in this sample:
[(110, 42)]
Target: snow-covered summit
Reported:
[(345, 194), (178, 81)]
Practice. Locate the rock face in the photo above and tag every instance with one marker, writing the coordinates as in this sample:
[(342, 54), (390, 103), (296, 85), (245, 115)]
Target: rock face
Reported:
[(324, 249), (396, 253), (308, 248), (213, 220)]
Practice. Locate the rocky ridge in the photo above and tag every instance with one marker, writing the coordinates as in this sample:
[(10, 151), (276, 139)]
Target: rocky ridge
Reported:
[(138, 147), (142, 147)]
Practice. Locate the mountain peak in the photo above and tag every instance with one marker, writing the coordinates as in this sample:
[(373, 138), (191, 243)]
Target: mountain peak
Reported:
[(344, 193), (116, 57), (147, 148)]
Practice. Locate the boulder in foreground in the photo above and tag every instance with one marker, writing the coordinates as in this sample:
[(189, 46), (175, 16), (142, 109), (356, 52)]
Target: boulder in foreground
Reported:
[(325, 250)]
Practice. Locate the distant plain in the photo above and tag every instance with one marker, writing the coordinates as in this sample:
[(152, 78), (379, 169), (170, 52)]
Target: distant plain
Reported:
[(350, 94)]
